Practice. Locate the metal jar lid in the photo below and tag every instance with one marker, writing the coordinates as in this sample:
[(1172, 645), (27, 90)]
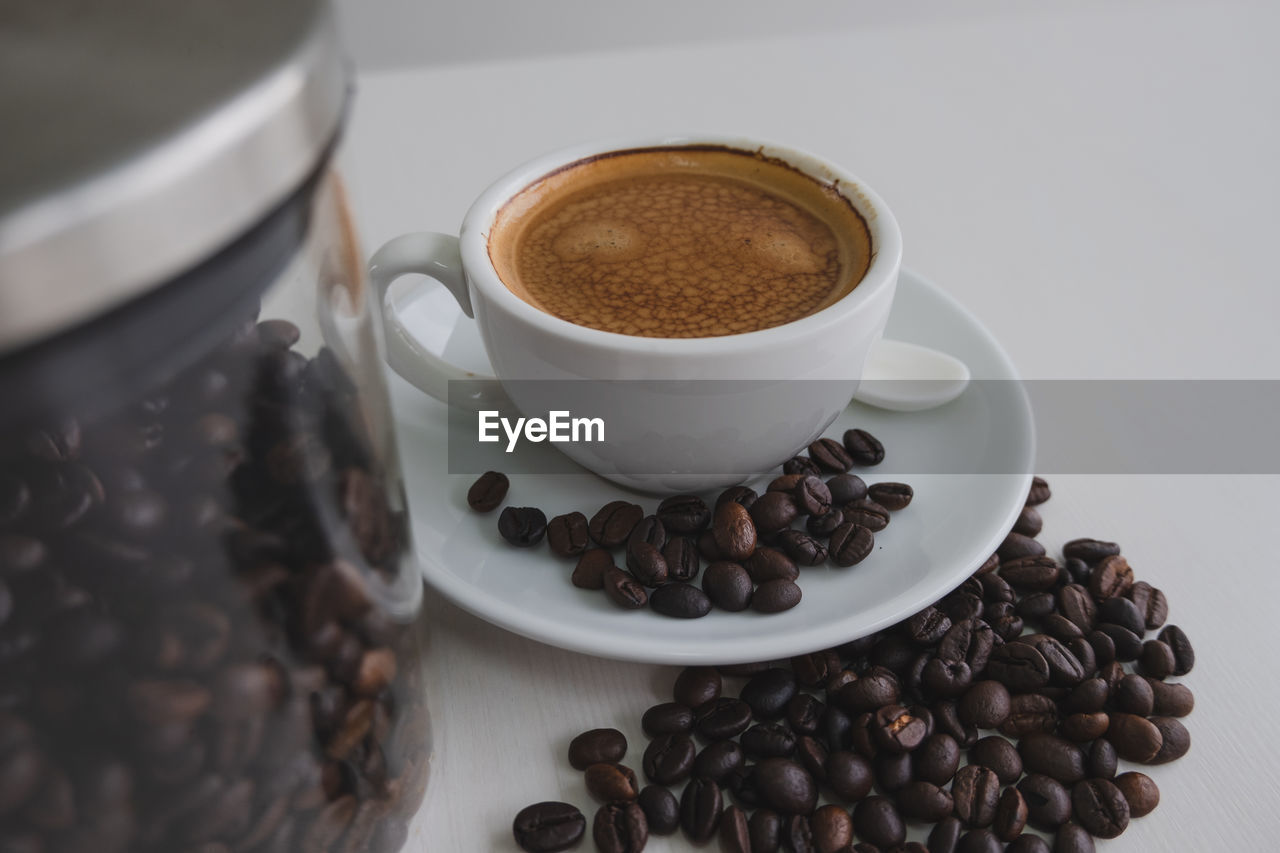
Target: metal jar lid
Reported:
[(140, 136)]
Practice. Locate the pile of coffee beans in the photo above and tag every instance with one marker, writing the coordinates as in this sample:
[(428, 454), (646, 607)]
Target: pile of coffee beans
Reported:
[(752, 543), (996, 719), (198, 653)]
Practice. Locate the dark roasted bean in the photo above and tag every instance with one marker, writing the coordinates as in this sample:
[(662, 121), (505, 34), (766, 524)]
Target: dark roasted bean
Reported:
[(986, 705), (768, 564), (700, 807), (1072, 838), (1175, 740), (1171, 700), (867, 513), (613, 523), (864, 448), (849, 775), (773, 512), (785, 786), (649, 530), (765, 829), (846, 488), (548, 827), (1030, 712), (768, 740), (832, 829), (624, 590), (661, 809), (800, 465), (1048, 802), (775, 596), (1157, 660), (831, 455), (811, 496), (684, 514), (1184, 656), (936, 759), (612, 783), (1053, 756), (891, 496), (802, 548), (1016, 546), (488, 492), (727, 585), (1034, 573), (722, 719), (646, 565), (718, 760), (591, 567), (976, 789), (669, 759), (1151, 603), (1134, 695), (567, 534), (1112, 577), (1100, 808), (695, 686), (1018, 666), (920, 800), (665, 719), (733, 531), (877, 820), (597, 746), (1100, 763), (1091, 551), (1038, 493), (1135, 738), (680, 600), (1139, 791), (945, 836), (850, 544), (1028, 522), (620, 828), (735, 832), (522, 526), (768, 692)]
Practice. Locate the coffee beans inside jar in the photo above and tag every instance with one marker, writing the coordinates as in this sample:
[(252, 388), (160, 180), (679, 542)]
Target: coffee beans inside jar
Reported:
[(1017, 741), (207, 637), (752, 544)]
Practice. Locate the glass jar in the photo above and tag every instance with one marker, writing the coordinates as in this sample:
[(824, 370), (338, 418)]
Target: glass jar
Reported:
[(209, 609)]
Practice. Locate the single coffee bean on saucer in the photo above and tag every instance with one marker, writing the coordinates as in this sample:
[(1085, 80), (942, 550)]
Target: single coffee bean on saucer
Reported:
[(624, 590), (850, 544), (646, 564), (613, 523), (801, 465), (590, 570), (846, 488), (811, 496), (683, 562), (548, 827), (744, 495), (773, 512), (567, 534), (488, 492), (733, 531), (891, 496), (830, 455), (864, 448), (775, 596), (680, 600), (684, 514), (867, 513), (727, 585), (522, 526), (648, 530)]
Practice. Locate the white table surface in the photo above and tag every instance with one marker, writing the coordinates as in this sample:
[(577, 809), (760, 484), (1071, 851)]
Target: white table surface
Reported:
[(1098, 184)]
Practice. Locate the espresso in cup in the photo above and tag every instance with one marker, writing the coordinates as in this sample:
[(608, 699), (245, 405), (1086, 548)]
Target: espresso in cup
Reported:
[(679, 242)]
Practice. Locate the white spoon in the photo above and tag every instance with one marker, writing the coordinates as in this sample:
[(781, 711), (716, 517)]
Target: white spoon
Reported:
[(905, 377)]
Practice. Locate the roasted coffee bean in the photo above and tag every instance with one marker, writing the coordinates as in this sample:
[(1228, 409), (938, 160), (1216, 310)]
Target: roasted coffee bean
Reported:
[(976, 789), (1087, 697), (1122, 612), (1076, 604), (1139, 791), (1039, 492), (850, 544), (823, 526), (1016, 546), (893, 771), (948, 720), (1036, 605), (765, 830), (1077, 570), (961, 606), (986, 705), (1028, 843), (733, 531), (1083, 728), (597, 746), (661, 809), (846, 488), (613, 783), (735, 832), (878, 686), (1000, 755), (802, 548), (797, 835), (1100, 808), (995, 588), (744, 495), (769, 692), (522, 526), (1028, 713), (700, 807), (811, 496), (620, 828), (920, 800), (1073, 838), (768, 564), (613, 523), (624, 590), (1053, 756), (936, 759), (591, 567), (786, 483), (775, 596), (804, 713), (548, 827), (1157, 660), (680, 600), (718, 760), (681, 555), (1003, 619), (1028, 522), (567, 534), (969, 640), (866, 513), (695, 686), (773, 512), (812, 755), (945, 835), (665, 719), (768, 740), (864, 448), (1061, 628), (894, 729), (831, 455), (650, 531), (487, 493), (979, 841), (1128, 645), (834, 727), (722, 719), (832, 829), (1018, 666), (1091, 551), (1011, 815), (1171, 700), (742, 784), (849, 775), (1048, 802), (727, 585), (1175, 740), (1112, 673), (891, 496), (1184, 656), (1134, 695), (1100, 762), (1104, 648), (1065, 669), (1151, 603), (1035, 573), (928, 626), (876, 820), (669, 759), (684, 514), (784, 786), (813, 669), (1135, 738), (646, 565), (1112, 577), (800, 465)]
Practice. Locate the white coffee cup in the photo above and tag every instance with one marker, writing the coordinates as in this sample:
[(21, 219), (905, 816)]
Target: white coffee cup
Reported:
[(673, 431)]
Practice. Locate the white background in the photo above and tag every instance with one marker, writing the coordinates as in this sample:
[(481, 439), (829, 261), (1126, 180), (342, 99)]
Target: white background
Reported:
[(1096, 181)]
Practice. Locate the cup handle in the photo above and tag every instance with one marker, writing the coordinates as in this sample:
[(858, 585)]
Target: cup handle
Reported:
[(437, 256)]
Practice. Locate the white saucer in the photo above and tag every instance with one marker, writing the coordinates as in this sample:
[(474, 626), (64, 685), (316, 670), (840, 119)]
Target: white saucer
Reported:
[(954, 523)]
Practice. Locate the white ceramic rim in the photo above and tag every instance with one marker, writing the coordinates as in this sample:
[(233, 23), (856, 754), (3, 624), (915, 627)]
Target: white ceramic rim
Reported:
[(886, 248)]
